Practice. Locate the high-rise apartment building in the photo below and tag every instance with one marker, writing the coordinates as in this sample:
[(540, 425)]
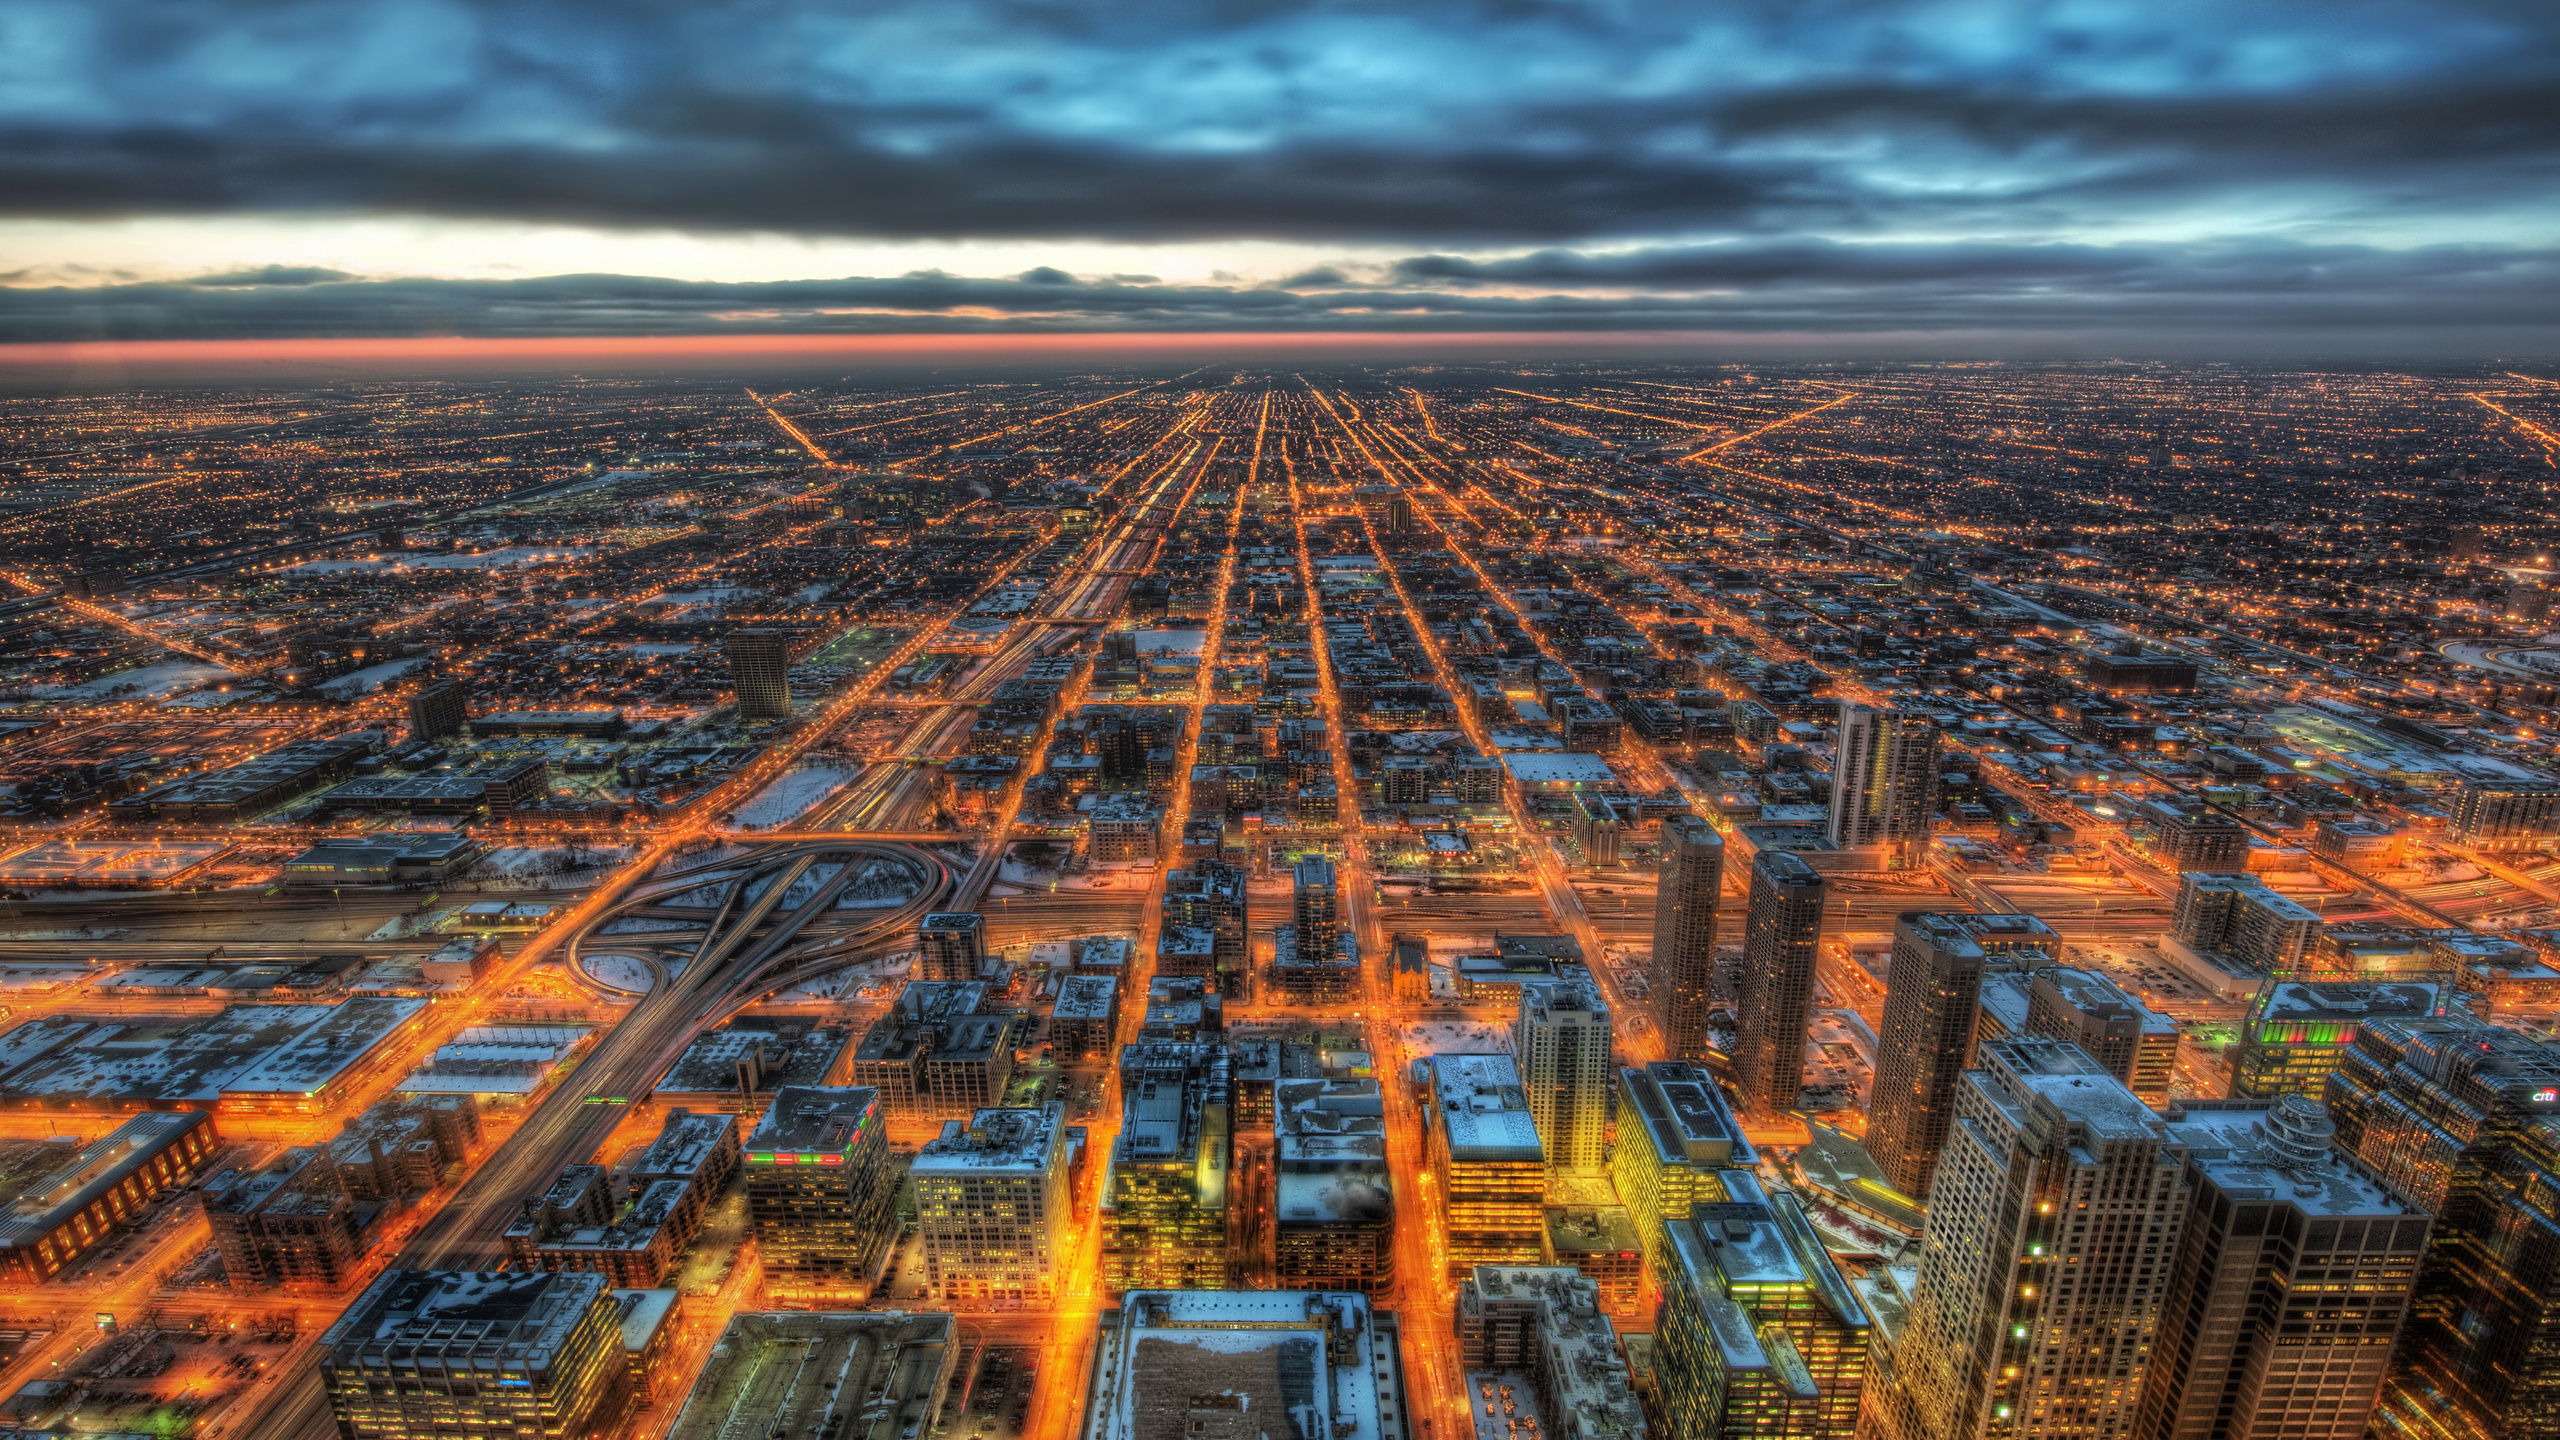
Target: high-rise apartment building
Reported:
[(451, 1352), (1676, 1137), (437, 709), (2056, 1210), (1884, 778), (1486, 1163), (1780, 943), (994, 1208), (819, 1188), (1314, 960), (951, 946), (2183, 837), (1209, 898), (760, 673), (1684, 931), (1760, 1334), (1165, 1198), (2239, 917), (1317, 909), (2292, 1276), (2463, 1120), (2495, 810), (1560, 1044), (1931, 989), (2136, 1043)]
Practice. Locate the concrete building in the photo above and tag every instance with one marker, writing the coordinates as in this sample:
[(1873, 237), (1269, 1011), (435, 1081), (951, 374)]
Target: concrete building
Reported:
[(1221, 1365), (2462, 1120), (800, 1372), (736, 1067), (68, 1198), (1085, 1019), (1124, 827), (1676, 1137), (2253, 1340), (2239, 917), (1593, 1235), (1780, 945), (1488, 1163), (819, 1189), (1560, 1046), (1165, 1196), (638, 1243), (1314, 959), (2136, 1043), (1884, 778), (951, 947), (2054, 1217), (760, 673), (436, 709), (2506, 812), (289, 1223), (2297, 1032), (1333, 1209), (936, 1055), (2184, 838), (1547, 1321), (994, 1207), (1687, 887), (439, 1352), (1932, 988), (1760, 1334), (1209, 897)]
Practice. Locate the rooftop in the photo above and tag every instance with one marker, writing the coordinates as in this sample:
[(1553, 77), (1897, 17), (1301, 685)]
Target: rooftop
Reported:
[(809, 1373)]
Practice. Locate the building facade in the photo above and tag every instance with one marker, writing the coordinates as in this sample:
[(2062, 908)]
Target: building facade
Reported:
[(1687, 887), (994, 1207), (1884, 778), (819, 1188), (1560, 1044), (1932, 988), (1781, 943)]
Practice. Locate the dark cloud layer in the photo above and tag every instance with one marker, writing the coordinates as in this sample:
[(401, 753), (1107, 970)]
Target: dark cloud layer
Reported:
[(1669, 158), (1795, 287)]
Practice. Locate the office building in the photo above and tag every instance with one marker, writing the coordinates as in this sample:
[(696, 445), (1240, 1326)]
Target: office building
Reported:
[(436, 710), (635, 1245), (2142, 674), (1548, 1321), (2183, 837), (2052, 1222), (1487, 1163), (994, 1207), (1884, 778), (1085, 1020), (760, 673), (448, 1352), (1165, 1197), (800, 1373), (1230, 1364), (1932, 987), (1760, 1333), (2463, 1121), (2506, 812), (2238, 917), (2297, 1032), (819, 1189), (68, 1198), (1687, 886), (1676, 1137), (1314, 960), (1588, 1230), (2136, 1043), (1333, 1205), (951, 947), (1208, 898), (2254, 1337), (936, 1054), (1560, 1045), (1780, 943)]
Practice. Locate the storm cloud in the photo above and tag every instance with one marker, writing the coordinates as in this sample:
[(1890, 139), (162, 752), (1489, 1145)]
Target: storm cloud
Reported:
[(1770, 165)]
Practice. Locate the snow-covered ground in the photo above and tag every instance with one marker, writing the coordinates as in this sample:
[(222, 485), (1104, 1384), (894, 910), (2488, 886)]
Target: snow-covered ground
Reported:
[(621, 970), (792, 795), (645, 925), (507, 558), (166, 678), (370, 678)]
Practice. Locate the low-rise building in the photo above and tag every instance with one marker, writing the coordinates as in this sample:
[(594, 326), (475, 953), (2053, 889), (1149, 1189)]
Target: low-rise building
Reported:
[(425, 1352), (1207, 1363), (797, 1372)]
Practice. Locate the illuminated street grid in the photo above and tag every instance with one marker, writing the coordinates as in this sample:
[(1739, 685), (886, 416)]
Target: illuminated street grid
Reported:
[(1469, 634)]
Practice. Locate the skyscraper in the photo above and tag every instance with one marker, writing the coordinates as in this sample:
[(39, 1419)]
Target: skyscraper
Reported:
[(1924, 1047), (2046, 1252), (1560, 1041), (2254, 1339), (1684, 931), (1486, 1162), (1884, 779), (2463, 1120), (1317, 910), (436, 710), (994, 1207), (1780, 941), (1675, 1139), (819, 1188), (760, 673), (1761, 1335)]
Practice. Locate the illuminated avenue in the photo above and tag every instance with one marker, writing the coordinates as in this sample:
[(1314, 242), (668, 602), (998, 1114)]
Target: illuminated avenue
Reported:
[(1895, 901)]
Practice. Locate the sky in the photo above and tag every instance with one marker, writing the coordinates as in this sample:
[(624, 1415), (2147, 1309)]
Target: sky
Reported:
[(2165, 176)]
